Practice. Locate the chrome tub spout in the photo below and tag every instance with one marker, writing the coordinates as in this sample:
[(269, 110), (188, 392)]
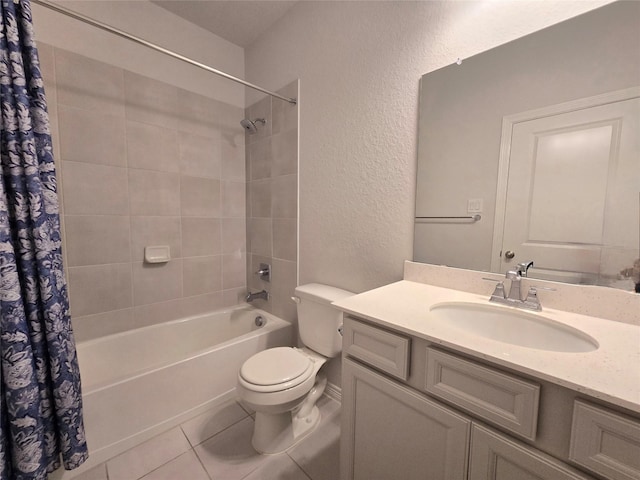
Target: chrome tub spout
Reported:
[(263, 294)]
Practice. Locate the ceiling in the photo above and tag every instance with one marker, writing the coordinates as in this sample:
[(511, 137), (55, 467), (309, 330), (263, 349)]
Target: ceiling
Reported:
[(238, 21)]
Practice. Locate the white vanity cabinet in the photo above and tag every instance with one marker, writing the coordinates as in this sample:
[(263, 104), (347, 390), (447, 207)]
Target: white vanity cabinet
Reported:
[(394, 425), (391, 432), (497, 457)]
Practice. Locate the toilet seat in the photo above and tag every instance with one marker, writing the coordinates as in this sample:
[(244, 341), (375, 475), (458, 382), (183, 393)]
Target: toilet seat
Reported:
[(276, 369)]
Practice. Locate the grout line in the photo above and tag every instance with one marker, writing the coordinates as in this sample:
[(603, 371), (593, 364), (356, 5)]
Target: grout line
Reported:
[(206, 472)]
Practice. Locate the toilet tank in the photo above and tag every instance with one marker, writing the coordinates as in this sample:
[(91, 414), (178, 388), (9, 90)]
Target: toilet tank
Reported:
[(318, 320)]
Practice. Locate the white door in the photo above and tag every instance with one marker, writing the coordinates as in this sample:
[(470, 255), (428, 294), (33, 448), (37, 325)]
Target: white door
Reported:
[(572, 199)]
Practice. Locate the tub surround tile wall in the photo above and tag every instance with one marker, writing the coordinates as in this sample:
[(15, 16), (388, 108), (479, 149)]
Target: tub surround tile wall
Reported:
[(272, 201), (142, 162)]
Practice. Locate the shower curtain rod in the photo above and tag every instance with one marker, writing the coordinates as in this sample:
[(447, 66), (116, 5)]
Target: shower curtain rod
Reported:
[(141, 41)]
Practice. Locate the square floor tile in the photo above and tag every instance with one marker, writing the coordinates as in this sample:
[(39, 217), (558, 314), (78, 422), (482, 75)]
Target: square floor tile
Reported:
[(96, 473), (319, 454), (278, 467), (229, 455), (185, 467), (148, 456), (212, 422)]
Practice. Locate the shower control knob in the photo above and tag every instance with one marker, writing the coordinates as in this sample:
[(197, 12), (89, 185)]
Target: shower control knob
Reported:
[(509, 254)]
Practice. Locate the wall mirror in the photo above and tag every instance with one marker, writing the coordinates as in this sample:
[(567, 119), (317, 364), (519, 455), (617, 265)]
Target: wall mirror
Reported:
[(531, 151)]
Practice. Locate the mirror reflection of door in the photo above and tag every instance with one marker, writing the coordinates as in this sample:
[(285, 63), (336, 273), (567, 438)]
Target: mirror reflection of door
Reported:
[(573, 182)]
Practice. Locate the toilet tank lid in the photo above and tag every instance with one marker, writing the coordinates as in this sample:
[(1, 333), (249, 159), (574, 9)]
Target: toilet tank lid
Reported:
[(322, 293)]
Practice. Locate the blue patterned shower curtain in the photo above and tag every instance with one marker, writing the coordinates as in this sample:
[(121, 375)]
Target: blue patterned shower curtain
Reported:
[(40, 400)]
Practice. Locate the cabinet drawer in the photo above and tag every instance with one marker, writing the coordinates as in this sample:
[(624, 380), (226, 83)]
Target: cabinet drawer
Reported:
[(502, 399), (383, 350), (605, 442), (495, 457)]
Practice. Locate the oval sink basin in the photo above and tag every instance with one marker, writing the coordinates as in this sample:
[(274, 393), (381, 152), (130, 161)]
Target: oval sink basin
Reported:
[(513, 326)]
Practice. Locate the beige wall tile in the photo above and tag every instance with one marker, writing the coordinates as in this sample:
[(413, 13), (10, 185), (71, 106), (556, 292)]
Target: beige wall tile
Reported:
[(202, 275), (154, 193), (197, 113), (99, 288), (260, 198), (125, 192), (201, 237), (199, 197), (97, 239), (260, 236), (91, 137), (285, 114), (148, 231), (101, 324), (234, 271), (89, 84), (234, 235), (284, 278), (284, 198), (201, 304), (152, 148), (234, 199), (285, 239), (158, 282), (233, 296), (154, 313), (200, 156), (285, 308), (260, 159), (151, 101), (260, 109), (94, 189), (284, 147), (227, 118), (233, 160)]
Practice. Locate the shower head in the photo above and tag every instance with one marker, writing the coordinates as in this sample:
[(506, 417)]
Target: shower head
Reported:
[(250, 126)]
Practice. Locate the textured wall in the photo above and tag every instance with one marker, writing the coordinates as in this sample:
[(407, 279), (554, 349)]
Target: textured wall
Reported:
[(359, 65)]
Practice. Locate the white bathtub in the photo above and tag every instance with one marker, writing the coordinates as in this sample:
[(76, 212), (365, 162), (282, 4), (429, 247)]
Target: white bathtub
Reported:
[(139, 383)]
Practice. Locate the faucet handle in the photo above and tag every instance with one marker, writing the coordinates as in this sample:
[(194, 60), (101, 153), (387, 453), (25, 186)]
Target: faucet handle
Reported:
[(499, 293), (532, 302)]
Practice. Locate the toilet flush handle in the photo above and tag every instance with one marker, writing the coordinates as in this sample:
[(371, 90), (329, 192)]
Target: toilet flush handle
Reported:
[(341, 329), (296, 299)]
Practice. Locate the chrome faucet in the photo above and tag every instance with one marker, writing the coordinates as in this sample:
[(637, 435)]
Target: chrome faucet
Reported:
[(263, 294), (514, 297)]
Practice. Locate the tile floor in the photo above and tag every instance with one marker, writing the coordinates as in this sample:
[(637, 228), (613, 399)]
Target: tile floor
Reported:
[(217, 446)]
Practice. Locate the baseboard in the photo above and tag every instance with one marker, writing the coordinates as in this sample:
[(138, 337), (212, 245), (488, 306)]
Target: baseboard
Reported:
[(334, 392)]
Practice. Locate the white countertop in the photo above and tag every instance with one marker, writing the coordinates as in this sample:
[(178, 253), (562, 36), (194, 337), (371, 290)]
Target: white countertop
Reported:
[(610, 373)]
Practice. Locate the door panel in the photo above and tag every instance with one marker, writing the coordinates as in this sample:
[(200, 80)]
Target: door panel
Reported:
[(573, 187)]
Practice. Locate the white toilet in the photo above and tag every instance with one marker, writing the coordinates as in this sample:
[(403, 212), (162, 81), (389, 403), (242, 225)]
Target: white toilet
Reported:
[(283, 384)]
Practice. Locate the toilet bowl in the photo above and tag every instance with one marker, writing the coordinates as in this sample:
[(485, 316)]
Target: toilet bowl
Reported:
[(283, 384)]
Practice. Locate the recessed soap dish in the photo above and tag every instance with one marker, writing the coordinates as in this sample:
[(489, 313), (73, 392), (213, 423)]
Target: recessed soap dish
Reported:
[(157, 254)]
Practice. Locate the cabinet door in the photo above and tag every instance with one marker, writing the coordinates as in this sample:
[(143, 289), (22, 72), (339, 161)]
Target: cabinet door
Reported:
[(495, 457), (392, 432)]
